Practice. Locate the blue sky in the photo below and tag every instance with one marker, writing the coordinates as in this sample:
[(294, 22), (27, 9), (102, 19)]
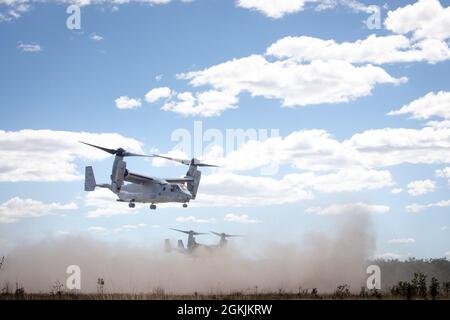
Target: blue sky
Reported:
[(344, 152)]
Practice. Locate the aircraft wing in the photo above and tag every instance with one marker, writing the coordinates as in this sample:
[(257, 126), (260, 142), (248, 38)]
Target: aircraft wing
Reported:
[(139, 178), (179, 180)]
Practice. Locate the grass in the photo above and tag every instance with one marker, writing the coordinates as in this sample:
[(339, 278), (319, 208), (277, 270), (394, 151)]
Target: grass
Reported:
[(420, 285), (196, 296)]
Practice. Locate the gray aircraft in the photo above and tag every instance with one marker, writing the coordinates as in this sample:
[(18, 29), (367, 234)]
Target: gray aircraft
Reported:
[(223, 238), (145, 189), (193, 245)]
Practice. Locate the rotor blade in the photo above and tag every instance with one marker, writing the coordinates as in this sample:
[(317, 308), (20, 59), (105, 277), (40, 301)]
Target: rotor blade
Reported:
[(131, 154), (207, 165), (182, 161), (111, 151), (187, 162), (198, 163), (198, 233), (225, 235), (119, 152), (187, 232)]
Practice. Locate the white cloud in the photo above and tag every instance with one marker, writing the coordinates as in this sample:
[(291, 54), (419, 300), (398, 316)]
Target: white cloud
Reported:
[(439, 125), (228, 189), (312, 150), (373, 49), (161, 162), (358, 6), (316, 150), (17, 208), (273, 8), (444, 173), (389, 256), (402, 241), (444, 228), (15, 9), (307, 70), (133, 226), (157, 93), (193, 219), (425, 19), (95, 37), (349, 208), (345, 180), (239, 190), (240, 218), (279, 8), (430, 105), (420, 187), (30, 47), (396, 190), (48, 155), (295, 84), (103, 203), (394, 146), (414, 208), (207, 104), (125, 102), (447, 254)]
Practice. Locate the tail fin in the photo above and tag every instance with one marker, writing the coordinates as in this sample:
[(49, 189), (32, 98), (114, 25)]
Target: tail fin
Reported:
[(196, 174), (167, 245), (89, 179), (180, 244)]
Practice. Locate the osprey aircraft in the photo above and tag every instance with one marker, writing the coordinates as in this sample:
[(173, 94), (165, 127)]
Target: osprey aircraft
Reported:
[(192, 244), (146, 189), (223, 238)]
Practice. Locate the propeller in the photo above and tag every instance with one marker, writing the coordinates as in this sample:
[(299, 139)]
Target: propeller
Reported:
[(224, 235), (194, 161), (118, 152), (191, 232)]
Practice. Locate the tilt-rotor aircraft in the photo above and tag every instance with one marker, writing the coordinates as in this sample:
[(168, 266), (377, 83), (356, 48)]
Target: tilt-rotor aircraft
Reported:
[(193, 245), (223, 238), (145, 189)]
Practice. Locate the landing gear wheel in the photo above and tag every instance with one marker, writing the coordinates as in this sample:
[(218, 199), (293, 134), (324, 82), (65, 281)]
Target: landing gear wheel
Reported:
[(131, 205), (152, 206), (184, 205)]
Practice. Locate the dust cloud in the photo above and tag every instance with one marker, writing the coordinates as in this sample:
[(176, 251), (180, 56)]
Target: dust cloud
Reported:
[(321, 261)]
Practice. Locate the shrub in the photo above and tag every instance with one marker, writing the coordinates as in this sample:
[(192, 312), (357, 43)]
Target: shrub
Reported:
[(446, 288), (342, 291), (434, 288), (420, 284)]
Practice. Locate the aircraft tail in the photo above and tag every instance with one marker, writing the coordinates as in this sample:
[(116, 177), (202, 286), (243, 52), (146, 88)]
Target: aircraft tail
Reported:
[(180, 244), (196, 174), (89, 179), (167, 245)]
